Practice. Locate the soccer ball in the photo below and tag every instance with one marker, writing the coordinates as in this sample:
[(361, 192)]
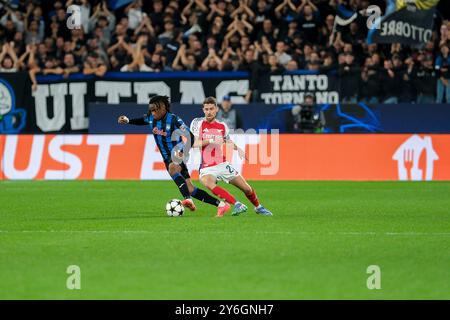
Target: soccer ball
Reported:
[(174, 208)]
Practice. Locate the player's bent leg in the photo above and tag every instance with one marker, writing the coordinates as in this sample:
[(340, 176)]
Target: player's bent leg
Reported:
[(239, 182), (250, 193), (190, 186), (209, 181), (174, 171), (202, 195)]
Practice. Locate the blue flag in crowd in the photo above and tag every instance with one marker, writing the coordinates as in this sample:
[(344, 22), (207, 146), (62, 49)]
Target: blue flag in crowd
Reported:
[(116, 4)]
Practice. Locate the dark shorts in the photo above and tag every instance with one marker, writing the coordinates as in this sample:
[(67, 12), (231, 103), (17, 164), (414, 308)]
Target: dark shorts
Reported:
[(184, 170)]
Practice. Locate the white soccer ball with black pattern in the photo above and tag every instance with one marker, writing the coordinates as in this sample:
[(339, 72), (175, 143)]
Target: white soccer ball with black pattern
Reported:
[(174, 208)]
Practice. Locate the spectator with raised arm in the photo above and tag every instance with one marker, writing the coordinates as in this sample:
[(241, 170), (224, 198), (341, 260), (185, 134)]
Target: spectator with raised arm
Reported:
[(212, 62), (104, 19), (309, 20), (8, 58), (94, 64)]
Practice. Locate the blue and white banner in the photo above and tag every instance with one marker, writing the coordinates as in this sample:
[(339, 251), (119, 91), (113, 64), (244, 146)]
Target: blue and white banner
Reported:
[(15, 101)]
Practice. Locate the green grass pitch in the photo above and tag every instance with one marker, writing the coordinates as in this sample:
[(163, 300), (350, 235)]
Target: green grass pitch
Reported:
[(318, 244)]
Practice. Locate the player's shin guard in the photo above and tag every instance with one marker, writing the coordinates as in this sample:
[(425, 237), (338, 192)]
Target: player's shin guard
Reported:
[(205, 197), (182, 186), (223, 194), (253, 198)]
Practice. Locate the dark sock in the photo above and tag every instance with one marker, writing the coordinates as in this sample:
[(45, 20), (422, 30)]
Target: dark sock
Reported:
[(205, 197), (182, 186)]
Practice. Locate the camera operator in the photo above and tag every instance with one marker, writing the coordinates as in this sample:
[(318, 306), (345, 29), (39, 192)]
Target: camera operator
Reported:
[(306, 118)]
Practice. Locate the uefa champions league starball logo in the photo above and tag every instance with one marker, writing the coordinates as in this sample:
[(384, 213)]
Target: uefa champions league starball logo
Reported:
[(6, 99), (12, 120)]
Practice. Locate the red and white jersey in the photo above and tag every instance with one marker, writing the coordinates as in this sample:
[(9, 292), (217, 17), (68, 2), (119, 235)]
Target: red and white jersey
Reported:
[(211, 154)]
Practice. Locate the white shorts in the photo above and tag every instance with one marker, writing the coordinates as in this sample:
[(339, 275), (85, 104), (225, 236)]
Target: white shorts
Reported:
[(223, 171)]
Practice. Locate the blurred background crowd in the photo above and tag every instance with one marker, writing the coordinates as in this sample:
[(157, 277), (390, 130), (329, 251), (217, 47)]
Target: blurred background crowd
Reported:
[(258, 36)]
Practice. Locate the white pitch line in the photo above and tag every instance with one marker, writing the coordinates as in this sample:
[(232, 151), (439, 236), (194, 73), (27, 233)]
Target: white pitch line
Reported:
[(233, 232)]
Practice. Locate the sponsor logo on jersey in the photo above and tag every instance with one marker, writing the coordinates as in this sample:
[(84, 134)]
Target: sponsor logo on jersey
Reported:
[(159, 132)]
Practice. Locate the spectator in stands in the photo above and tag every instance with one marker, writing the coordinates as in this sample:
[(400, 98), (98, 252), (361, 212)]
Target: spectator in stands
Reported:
[(286, 12), (68, 66), (268, 32), (171, 48), (229, 115), (104, 19), (329, 64), (59, 25), (120, 52), (327, 30), (314, 62), (292, 66), (407, 87), (134, 13), (444, 34), (354, 36), (12, 23), (217, 30), (262, 12), (8, 58), (145, 26), (425, 80), (184, 61), (309, 20), (349, 76), (32, 33), (94, 64), (138, 54), (212, 62), (168, 34), (443, 73), (391, 79), (230, 60), (157, 16), (195, 47), (216, 9), (274, 65), (255, 36), (283, 57), (370, 82)]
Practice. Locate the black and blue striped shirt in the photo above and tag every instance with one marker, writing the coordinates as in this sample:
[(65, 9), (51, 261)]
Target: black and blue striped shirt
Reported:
[(165, 132)]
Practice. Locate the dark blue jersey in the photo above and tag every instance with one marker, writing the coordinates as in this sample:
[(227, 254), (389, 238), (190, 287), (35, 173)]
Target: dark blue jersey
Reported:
[(166, 135)]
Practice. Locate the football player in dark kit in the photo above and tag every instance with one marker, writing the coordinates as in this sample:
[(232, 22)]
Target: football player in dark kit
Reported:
[(168, 130)]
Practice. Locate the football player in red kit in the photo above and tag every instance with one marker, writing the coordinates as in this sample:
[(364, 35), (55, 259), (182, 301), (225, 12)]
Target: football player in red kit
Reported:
[(212, 136)]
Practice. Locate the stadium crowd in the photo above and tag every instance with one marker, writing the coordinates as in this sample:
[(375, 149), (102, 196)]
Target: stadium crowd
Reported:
[(258, 36)]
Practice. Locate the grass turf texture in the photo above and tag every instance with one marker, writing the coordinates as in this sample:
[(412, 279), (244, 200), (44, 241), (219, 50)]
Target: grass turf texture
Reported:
[(318, 245)]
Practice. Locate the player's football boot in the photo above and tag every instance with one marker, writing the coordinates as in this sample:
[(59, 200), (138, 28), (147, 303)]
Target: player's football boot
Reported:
[(188, 203), (238, 209), (221, 210), (263, 211)]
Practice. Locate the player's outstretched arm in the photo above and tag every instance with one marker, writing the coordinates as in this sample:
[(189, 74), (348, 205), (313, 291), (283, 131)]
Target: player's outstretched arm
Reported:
[(241, 152), (137, 121)]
